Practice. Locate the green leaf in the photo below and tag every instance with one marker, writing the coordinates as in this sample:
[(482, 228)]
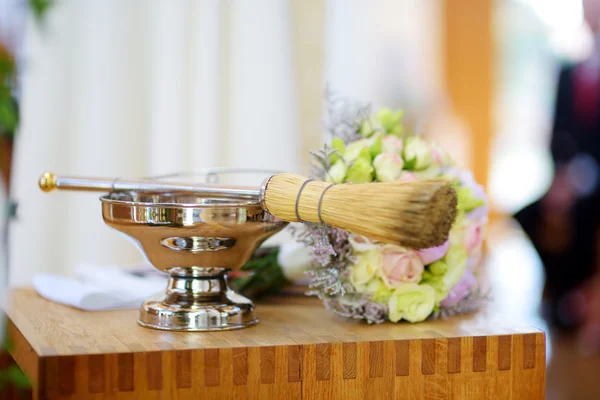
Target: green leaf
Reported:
[(9, 115), (466, 200), (265, 274), (40, 8), (390, 120), (17, 377), (376, 147), (409, 165), (7, 66), (7, 345)]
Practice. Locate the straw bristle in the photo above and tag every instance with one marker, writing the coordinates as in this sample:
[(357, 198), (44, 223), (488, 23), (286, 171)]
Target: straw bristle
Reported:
[(415, 214)]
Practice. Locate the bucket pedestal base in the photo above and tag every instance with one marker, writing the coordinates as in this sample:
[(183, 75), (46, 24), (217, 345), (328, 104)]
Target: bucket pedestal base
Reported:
[(198, 299)]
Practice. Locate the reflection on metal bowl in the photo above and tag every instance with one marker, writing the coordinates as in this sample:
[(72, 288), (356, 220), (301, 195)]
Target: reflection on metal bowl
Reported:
[(197, 241)]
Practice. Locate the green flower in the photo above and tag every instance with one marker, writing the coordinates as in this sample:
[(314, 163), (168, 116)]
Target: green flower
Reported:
[(439, 287), (376, 147), (438, 268), (456, 259), (388, 167), (354, 149), (417, 153), (337, 172), (378, 290), (369, 126), (360, 171), (456, 255), (411, 302), (444, 274), (390, 120), (339, 145), (466, 200), (366, 154), (427, 275), (458, 233)]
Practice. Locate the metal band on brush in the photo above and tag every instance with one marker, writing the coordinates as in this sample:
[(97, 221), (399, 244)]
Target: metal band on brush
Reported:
[(298, 198), (321, 201), (262, 194)]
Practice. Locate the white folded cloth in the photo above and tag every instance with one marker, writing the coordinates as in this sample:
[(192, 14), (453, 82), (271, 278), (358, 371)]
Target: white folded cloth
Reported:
[(110, 287), (100, 287)]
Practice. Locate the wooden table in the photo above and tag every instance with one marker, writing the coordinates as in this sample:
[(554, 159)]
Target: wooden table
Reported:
[(298, 350)]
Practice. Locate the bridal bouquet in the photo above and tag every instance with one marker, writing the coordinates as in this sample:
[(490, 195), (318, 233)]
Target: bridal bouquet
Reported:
[(359, 278)]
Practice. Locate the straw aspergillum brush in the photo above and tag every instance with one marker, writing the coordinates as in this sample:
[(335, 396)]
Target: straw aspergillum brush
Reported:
[(414, 214)]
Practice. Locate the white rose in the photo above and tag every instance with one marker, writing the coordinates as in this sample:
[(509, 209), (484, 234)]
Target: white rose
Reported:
[(391, 144), (366, 266), (433, 171), (419, 149), (337, 172), (388, 167), (294, 258), (360, 243), (440, 157)]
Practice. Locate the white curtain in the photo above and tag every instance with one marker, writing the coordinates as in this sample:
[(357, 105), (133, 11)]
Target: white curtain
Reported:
[(386, 52), (389, 53), (135, 88), (132, 88)]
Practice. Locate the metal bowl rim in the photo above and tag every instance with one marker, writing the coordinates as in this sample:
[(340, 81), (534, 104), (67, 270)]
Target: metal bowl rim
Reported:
[(245, 204)]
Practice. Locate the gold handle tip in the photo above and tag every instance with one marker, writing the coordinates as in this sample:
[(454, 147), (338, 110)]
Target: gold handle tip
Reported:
[(47, 182)]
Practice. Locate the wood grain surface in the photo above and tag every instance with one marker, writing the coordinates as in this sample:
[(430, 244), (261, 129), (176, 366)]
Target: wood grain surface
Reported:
[(297, 351)]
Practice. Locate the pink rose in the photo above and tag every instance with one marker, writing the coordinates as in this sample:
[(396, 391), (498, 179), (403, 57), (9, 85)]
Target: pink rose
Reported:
[(474, 260), (474, 236), (408, 176), (434, 253), (460, 290), (480, 213), (437, 155), (401, 266), (392, 144)]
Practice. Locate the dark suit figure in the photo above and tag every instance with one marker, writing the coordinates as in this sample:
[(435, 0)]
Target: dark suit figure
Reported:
[(564, 224)]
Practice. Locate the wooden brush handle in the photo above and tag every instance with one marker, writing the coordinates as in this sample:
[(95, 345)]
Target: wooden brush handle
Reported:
[(49, 182), (299, 200)]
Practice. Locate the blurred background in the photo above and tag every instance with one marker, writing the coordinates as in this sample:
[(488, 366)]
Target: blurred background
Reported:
[(511, 88)]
